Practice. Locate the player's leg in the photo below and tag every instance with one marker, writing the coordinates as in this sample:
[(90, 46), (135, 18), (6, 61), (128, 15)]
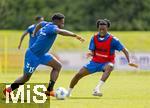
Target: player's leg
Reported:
[(107, 70), (86, 70), (20, 81), (56, 67), (83, 72), (30, 64), (51, 61)]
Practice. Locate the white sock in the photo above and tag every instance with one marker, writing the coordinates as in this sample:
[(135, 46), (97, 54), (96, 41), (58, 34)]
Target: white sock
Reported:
[(99, 85), (70, 90)]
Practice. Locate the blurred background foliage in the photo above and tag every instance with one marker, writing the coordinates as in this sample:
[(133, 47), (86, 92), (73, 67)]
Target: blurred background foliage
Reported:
[(80, 14)]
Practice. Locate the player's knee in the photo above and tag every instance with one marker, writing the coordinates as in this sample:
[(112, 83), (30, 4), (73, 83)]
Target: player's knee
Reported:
[(58, 67), (109, 67)]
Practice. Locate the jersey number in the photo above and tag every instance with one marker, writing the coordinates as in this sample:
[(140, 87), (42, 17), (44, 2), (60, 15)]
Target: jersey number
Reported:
[(31, 69)]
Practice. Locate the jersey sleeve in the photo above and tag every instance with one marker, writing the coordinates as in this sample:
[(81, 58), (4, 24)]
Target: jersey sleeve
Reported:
[(92, 45), (28, 29), (43, 23), (52, 30), (117, 45)]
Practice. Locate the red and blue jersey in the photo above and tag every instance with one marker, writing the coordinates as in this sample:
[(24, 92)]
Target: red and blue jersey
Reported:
[(104, 48)]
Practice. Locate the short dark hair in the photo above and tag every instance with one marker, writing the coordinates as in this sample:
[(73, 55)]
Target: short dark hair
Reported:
[(38, 17), (57, 16), (103, 22)]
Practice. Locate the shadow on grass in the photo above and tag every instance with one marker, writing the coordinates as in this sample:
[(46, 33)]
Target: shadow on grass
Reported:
[(84, 98), (73, 98)]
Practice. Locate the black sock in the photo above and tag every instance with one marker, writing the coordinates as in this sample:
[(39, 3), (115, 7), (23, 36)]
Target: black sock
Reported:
[(15, 85), (51, 85)]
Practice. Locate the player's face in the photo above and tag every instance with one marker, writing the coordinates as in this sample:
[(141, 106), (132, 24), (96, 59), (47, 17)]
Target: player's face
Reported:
[(103, 30), (60, 23)]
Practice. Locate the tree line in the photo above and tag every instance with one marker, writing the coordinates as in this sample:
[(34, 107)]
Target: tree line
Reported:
[(80, 14)]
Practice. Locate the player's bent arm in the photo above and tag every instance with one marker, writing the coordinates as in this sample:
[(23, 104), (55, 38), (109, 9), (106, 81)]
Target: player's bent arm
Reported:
[(21, 39), (37, 28), (69, 33), (125, 51)]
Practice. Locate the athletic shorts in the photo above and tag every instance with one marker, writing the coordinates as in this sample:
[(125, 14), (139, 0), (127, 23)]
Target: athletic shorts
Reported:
[(32, 61), (93, 67)]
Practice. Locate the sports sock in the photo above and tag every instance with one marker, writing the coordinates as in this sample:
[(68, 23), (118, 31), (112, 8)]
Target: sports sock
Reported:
[(51, 85), (15, 85), (99, 85), (70, 90)]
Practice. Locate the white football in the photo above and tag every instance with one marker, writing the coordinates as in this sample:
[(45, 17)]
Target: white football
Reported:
[(61, 93)]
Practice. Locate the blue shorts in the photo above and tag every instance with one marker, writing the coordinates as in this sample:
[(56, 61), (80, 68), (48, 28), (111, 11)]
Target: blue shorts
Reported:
[(32, 61), (93, 67)]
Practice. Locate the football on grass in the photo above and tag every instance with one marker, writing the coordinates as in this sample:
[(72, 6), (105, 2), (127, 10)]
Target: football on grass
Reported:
[(61, 93)]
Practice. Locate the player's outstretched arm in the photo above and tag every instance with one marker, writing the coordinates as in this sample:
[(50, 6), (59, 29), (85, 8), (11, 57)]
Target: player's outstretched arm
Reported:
[(125, 51), (37, 28), (69, 33), (21, 39)]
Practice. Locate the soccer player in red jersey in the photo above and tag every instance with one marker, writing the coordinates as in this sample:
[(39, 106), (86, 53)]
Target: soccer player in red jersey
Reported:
[(102, 50)]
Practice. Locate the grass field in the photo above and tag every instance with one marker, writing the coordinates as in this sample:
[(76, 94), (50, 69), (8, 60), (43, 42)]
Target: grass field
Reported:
[(131, 40), (122, 90)]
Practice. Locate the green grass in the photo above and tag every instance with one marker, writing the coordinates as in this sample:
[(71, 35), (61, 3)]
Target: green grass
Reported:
[(133, 40), (122, 90)]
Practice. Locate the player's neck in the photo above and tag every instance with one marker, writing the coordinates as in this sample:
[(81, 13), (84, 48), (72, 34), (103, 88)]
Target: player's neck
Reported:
[(103, 35)]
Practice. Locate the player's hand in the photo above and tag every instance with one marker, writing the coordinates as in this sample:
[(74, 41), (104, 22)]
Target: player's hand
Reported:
[(89, 54), (79, 38), (133, 65)]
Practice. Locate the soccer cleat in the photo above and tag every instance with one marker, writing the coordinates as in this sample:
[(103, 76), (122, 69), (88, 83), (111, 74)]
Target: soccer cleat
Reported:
[(50, 93), (97, 93), (9, 90)]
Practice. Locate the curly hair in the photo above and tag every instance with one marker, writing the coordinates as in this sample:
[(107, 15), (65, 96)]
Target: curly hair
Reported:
[(103, 22), (57, 16)]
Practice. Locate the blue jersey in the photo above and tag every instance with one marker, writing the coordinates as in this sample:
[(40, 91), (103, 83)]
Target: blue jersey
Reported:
[(30, 30), (115, 44), (43, 23), (45, 39)]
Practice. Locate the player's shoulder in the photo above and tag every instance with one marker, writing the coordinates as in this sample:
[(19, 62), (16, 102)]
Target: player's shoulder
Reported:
[(114, 37), (52, 25), (31, 26), (43, 22)]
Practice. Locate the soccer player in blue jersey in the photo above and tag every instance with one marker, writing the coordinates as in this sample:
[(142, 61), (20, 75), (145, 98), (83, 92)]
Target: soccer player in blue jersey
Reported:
[(102, 50), (30, 29), (38, 53)]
